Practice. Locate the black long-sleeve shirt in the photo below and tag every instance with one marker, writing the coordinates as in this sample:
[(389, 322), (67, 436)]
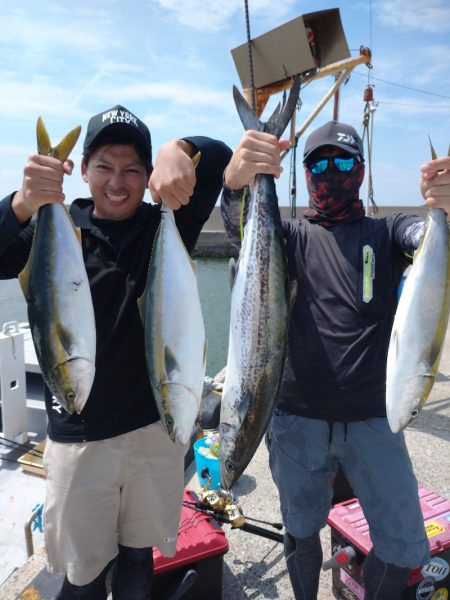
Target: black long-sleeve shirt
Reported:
[(117, 255)]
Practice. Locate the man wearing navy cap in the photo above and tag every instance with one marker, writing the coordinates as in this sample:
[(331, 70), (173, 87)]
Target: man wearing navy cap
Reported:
[(331, 403), (114, 477)]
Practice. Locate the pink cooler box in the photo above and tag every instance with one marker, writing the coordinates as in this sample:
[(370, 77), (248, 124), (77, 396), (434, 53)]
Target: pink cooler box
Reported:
[(349, 528)]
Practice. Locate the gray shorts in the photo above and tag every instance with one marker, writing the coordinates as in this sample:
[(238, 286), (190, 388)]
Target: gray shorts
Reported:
[(304, 458), (125, 490)]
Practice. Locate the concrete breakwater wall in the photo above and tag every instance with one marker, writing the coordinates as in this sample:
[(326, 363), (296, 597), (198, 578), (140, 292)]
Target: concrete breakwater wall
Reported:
[(213, 243)]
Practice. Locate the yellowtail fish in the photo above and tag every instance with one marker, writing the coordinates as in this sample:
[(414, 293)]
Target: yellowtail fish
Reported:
[(420, 324), (260, 306), (175, 342), (56, 288)]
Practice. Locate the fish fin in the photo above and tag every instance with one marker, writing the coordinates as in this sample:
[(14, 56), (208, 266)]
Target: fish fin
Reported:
[(280, 118), (141, 306), (196, 158), (248, 117), (232, 270), (24, 279), (77, 231), (65, 146), (65, 337), (170, 362), (433, 151), (292, 293), (43, 141), (245, 405), (193, 264), (395, 342), (205, 352)]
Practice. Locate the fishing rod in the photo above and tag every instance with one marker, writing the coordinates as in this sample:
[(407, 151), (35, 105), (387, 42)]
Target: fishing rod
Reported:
[(16, 446), (204, 508), (247, 527)]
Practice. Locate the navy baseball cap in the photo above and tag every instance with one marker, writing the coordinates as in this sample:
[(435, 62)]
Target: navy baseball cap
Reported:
[(337, 134), (119, 123)]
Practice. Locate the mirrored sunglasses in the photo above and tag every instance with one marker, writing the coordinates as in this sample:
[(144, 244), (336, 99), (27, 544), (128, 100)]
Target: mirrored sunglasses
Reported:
[(340, 164)]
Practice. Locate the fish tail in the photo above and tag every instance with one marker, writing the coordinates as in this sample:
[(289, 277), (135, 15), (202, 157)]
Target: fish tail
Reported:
[(65, 146), (280, 116), (433, 151), (43, 141)]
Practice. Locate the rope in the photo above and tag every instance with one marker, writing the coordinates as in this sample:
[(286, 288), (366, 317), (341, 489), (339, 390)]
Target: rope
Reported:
[(250, 56)]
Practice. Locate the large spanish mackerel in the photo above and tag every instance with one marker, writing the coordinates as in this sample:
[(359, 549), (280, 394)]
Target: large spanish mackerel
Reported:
[(56, 288), (260, 302), (175, 342), (420, 324)]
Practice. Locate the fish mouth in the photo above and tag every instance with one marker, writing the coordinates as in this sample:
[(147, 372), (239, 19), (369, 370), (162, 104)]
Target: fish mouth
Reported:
[(73, 382)]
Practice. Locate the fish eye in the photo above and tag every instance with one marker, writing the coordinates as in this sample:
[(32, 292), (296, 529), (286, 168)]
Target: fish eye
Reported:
[(70, 396), (229, 465), (414, 413), (170, 422)]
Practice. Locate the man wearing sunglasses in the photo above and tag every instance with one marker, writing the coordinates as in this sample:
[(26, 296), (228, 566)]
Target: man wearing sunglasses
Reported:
[(331, 402)]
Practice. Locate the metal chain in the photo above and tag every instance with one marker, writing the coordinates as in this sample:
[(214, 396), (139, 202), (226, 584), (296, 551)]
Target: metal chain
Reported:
[(250, 56)]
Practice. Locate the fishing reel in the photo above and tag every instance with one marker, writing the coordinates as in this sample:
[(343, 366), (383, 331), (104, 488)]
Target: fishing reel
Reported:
[(222, 503)]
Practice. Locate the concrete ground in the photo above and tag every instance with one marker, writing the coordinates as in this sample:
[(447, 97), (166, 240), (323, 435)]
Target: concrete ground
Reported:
[(254, 567)]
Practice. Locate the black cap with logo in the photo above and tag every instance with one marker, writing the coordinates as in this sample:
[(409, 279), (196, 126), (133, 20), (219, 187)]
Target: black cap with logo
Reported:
[(337, 134), (118, 123)]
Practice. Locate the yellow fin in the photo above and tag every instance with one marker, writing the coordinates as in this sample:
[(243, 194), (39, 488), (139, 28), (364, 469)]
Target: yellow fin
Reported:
[(24, 279), (43, 141), (65, 146), (196, 158), (433, 151)]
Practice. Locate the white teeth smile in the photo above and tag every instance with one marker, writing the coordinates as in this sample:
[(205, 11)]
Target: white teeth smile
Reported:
[(117, 197)]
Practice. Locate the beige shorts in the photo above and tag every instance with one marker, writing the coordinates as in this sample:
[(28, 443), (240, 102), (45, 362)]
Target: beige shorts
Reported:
[(125, 490)]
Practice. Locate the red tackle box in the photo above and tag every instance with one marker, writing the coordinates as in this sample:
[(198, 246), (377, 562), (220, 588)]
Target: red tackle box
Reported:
[(349, 528), (196, 570)]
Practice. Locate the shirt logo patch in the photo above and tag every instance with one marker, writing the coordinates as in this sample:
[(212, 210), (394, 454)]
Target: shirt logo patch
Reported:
[(368, 272)]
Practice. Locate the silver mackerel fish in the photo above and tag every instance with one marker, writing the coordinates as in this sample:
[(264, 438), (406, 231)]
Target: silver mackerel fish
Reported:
[(420, 325), (59, 302), (260, 302)]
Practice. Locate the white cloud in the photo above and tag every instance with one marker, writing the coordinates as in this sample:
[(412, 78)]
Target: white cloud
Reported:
[(432, 16), (211, 15), (43, 38)]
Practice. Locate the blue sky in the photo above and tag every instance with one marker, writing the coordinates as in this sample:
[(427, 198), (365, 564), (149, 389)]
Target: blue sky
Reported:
[(170, 63)]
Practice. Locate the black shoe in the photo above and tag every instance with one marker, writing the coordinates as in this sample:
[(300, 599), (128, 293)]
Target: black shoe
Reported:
[(132, 576)]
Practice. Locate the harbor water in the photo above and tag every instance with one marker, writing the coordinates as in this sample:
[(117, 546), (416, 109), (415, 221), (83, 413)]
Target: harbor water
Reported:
[(214, 289)]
